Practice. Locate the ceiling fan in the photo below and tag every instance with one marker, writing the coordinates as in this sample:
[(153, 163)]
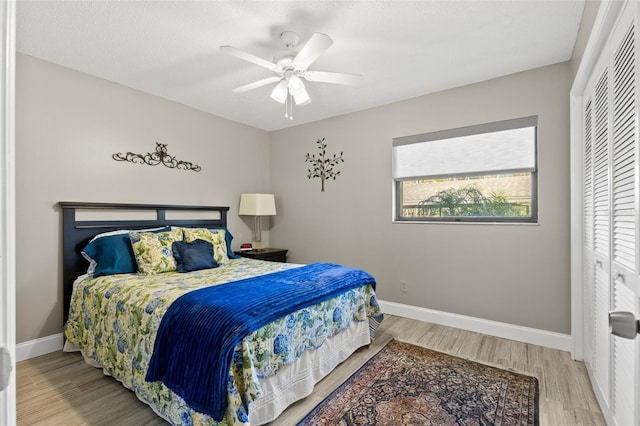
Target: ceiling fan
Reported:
[(291, 68)]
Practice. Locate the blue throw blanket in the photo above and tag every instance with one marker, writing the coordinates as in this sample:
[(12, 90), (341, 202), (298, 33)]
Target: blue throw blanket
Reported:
[(197, 336)]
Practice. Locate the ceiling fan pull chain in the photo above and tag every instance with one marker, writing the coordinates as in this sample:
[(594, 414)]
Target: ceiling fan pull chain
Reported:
[(286, 107)]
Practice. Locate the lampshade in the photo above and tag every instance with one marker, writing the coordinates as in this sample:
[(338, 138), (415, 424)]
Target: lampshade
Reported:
[(280, 92), (257, 205), (296, 86), (302, 98)]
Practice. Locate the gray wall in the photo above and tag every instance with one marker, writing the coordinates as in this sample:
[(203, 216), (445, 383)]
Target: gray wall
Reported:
[(516, 274), (68, 126)]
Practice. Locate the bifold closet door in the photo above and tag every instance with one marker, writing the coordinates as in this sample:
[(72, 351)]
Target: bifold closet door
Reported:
[(596, 228), (611, 260), (625, 283)]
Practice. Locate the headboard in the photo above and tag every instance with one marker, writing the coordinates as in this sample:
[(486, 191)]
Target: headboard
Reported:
[(78, 231)]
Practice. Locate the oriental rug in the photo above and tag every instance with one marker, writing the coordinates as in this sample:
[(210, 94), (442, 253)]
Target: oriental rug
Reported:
[(404, 384)]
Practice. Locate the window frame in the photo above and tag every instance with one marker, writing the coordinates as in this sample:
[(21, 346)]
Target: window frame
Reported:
[(517, 123)]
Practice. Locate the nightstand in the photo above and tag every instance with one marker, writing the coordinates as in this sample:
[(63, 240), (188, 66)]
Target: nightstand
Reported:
[(268, 254)]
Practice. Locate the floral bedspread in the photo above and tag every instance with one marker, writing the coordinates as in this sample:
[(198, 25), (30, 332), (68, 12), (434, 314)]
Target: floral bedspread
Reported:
[(114, 320)]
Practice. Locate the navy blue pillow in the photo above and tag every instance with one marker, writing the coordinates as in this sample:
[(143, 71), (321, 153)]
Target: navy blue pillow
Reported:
[(113, 254), (193, 256)]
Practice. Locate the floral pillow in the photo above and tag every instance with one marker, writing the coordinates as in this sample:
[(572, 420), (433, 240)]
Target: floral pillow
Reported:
[(228, 239), (153, 250), (216, 237)]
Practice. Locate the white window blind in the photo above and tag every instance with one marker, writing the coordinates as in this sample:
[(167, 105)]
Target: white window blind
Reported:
[(502, 147)]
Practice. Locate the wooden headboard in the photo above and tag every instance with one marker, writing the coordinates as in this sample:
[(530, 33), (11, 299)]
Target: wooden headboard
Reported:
[(77, 230)]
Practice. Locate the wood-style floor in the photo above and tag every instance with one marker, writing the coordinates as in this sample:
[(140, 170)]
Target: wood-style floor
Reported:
[(60, 389)]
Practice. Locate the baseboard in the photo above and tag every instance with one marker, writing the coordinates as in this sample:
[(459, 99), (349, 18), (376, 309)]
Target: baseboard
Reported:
[(37, 347), (534, 336)]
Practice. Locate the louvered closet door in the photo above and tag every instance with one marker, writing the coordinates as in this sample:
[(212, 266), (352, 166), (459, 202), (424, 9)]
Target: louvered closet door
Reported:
[(611, 211), (624, 212), (601, 235)]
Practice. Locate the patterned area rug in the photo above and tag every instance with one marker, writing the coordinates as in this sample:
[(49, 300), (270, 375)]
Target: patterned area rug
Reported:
[(405, 384)]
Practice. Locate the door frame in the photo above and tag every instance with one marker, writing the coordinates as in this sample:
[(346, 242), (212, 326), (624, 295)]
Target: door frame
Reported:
[(7, 207)]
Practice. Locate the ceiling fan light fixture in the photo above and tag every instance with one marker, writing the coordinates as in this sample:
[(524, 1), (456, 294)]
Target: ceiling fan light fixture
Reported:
[(280, 92), (291, 68), (302, 98), (296, 86)]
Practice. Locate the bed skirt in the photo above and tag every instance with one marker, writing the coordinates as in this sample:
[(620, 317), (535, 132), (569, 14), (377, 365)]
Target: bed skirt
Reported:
[(294, 381)]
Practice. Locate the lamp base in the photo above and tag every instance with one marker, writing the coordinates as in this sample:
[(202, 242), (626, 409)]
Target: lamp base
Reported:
[(257, 245)]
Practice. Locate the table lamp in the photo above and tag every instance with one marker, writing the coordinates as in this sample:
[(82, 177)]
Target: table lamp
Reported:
[(257, 205)]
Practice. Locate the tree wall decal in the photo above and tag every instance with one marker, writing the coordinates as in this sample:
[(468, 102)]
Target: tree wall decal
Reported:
[(322, 166)]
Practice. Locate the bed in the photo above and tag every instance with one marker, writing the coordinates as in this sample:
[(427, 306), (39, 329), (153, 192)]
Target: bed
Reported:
[(152, 330)]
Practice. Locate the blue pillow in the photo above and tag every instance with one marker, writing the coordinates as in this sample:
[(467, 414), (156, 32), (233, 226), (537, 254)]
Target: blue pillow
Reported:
[(228, 237), (193, 256), (113, 254)]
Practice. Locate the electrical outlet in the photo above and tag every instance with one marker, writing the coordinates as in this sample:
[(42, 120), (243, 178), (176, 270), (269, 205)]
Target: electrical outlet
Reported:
[(404, 288)]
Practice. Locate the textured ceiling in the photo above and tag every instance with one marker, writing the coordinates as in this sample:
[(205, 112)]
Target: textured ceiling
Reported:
[(403, 49)]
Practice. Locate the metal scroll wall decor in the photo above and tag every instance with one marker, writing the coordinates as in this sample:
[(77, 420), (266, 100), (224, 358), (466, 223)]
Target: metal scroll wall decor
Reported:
[(159, 157), (322, 166)]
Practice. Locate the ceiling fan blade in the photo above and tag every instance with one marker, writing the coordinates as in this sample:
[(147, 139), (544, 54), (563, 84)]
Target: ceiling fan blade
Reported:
[(256, 84), (250, 58), (315, 47), (333, 77)]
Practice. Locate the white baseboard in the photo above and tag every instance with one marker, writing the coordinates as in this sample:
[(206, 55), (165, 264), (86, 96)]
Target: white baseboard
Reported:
[(37, 347), (45, 345), (534, 336)]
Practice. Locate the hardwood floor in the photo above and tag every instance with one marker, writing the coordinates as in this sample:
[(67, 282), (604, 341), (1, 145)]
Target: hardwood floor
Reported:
[(60, 389)]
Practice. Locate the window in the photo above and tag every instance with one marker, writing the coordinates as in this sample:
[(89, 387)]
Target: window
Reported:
[(483, 173)]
